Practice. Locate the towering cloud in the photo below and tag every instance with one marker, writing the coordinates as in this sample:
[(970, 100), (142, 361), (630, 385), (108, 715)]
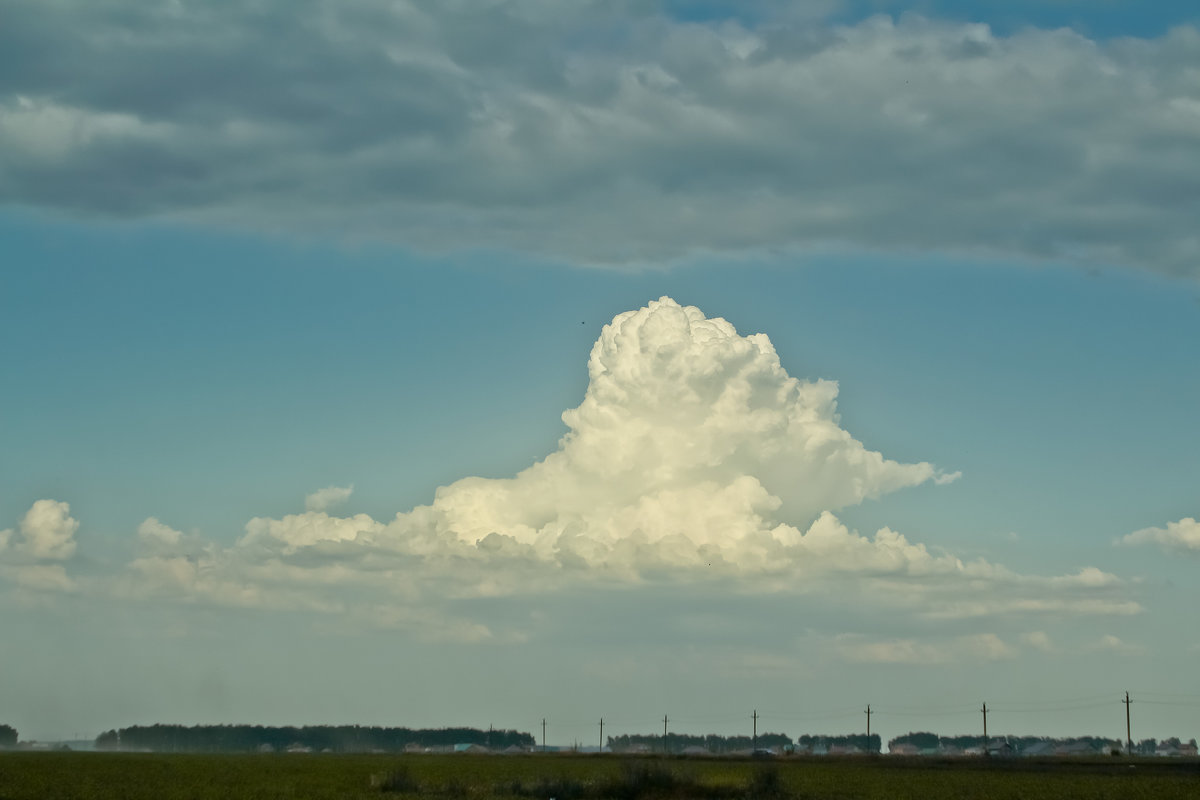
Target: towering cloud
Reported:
[(693, 457), (692, 442)]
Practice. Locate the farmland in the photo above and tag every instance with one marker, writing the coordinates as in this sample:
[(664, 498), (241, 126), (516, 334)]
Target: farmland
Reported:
[(105, 776)]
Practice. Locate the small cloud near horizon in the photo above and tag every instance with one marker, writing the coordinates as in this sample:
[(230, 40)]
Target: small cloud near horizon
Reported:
[(327, 498)]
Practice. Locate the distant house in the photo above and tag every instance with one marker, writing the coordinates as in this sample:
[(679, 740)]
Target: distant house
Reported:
[(470, 748), (1075, 747), (901, 749), (1000, 747), (1173, 748), (1039, 749)]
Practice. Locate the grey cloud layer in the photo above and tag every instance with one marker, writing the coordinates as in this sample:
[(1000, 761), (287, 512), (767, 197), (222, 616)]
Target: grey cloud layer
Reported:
[(593, 132)]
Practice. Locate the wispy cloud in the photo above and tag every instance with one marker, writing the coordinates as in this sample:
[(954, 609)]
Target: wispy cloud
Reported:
[(976, 647), (327, 498), (1038, 640), (653, 140), (1112, 644)]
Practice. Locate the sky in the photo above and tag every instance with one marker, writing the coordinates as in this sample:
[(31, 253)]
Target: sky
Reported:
[(484, 362)]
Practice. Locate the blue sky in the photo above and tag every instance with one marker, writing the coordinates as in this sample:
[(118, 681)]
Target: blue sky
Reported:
[(387, 275)]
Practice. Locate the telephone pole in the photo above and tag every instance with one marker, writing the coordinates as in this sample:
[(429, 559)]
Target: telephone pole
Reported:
[(1128, 736), (543, 734), (602, 734), (868, 712), (664, 734), (985, 736), (754, 717)]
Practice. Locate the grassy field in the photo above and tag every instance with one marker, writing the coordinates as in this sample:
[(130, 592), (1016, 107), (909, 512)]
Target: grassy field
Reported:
[(129, 776)]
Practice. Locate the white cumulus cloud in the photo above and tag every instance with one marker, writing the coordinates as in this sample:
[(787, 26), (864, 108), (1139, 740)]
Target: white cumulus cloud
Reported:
[(692, 457), (1181, 536), (31, 556), (687, 429), (47, 532)]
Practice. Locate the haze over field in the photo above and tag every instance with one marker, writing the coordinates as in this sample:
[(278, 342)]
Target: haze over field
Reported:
[(475, 363)]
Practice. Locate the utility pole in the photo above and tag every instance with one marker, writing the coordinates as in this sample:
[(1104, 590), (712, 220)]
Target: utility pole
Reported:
[(1128, 736), (985, 736), (543, 734), (602, 734), (868, 712), (664, 734), (754, 717)]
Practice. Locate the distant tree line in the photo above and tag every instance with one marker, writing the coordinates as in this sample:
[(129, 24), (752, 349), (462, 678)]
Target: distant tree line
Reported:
[(1022, 745), (336, 738), (8, 736), (856, 741), (713, 743), (1099, 744)]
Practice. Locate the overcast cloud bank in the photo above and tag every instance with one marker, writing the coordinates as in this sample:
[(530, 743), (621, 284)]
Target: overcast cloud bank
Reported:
[(605, 132)]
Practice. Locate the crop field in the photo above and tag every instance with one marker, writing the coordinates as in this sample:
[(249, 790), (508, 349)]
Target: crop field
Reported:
[(132, 776)]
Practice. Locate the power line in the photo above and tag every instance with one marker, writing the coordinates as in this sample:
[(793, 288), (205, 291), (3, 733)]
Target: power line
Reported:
[(1166, 694), (1050, 708)]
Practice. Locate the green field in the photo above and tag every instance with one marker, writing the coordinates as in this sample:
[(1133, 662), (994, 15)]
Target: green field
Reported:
[(129, 776)]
